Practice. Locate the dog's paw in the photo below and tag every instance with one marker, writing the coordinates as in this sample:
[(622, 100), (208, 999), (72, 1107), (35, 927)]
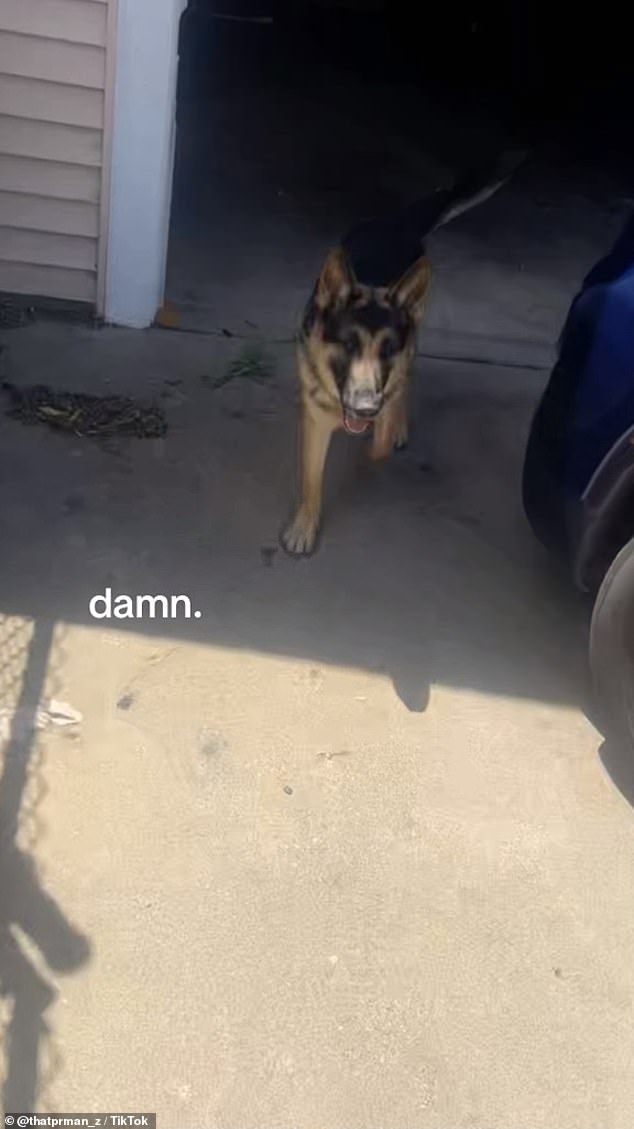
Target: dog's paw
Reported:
[(300, 537), (401, 438)]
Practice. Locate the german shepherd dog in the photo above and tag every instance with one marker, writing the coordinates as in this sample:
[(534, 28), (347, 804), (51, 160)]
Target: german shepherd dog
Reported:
[(358, 335)]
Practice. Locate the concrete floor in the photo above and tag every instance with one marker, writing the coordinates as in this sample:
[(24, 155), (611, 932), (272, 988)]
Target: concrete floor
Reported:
[(343, 852)]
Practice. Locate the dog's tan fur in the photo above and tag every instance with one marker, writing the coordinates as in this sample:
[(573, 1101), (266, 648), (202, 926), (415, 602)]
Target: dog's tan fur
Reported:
[(338, 293)]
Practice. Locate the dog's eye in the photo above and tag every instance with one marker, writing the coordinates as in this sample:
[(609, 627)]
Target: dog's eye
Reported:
[(388, 349)]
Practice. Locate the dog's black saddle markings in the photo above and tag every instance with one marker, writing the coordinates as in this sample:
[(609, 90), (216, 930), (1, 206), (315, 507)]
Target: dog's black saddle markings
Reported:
[(380, 250)]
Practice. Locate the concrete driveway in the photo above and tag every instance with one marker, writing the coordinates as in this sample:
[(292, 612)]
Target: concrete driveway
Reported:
[(342, 853)]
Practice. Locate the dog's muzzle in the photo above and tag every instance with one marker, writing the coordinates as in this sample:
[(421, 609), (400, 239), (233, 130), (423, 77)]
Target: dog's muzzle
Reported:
[(359, 411)]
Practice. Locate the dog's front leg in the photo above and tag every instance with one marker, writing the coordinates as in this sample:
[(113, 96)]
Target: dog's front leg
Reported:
[(300, 537), (390, 429)]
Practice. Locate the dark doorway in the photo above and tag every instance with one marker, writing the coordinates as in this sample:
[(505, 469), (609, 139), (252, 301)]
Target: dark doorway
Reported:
[(295, 120)]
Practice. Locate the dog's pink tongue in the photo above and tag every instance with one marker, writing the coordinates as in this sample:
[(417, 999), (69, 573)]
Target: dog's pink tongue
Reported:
[(355, 426)]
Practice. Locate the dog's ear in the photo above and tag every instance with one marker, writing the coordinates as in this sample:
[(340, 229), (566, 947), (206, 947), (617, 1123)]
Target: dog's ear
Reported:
[(336, 280), (410, 291)]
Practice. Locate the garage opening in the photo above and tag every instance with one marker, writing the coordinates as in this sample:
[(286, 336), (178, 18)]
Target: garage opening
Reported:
[(295, 120)]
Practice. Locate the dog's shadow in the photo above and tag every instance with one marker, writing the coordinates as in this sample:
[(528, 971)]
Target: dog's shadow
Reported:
[(437, 594), (413, 692)]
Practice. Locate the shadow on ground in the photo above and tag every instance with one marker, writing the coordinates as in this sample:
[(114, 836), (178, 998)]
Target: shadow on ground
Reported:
[(430, 577), (36, 940)]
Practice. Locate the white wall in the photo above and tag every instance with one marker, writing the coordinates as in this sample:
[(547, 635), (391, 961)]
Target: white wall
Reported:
[(142, 158)]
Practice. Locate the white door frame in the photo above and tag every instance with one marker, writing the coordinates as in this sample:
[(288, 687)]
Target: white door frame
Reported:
[(141, 159)]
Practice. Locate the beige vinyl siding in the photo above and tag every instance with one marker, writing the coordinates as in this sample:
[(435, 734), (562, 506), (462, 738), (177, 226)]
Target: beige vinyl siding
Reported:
[(49, 282), (66, 144), (74, 20), (51, 102), (53, 68), (50, 60), (49, 178), (46, 213), (20, 246)]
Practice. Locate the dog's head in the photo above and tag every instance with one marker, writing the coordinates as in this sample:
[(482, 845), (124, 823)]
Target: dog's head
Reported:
[(360, 340)]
